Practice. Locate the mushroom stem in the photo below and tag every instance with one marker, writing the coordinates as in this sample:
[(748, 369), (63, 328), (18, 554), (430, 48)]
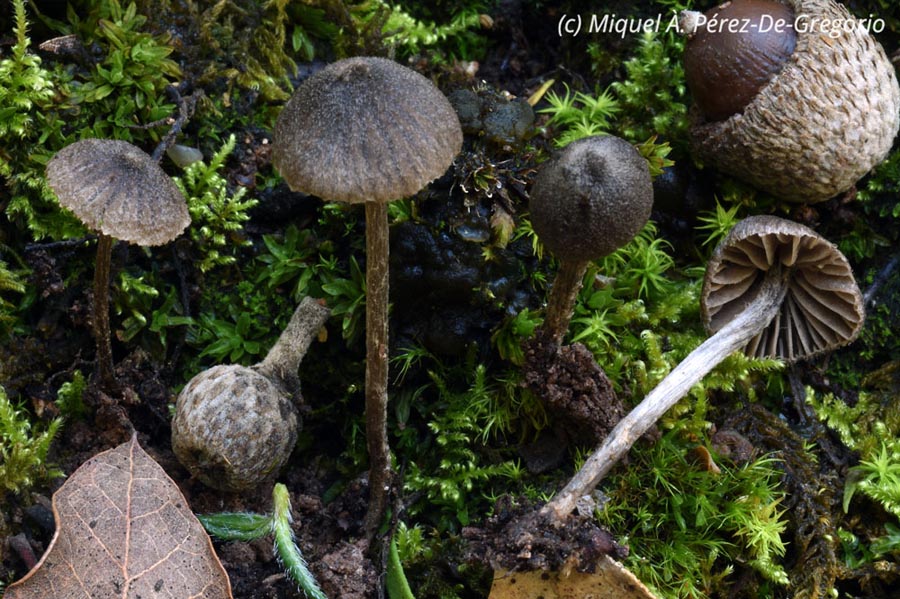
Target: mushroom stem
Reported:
[(377, 249), (562, 298), (284, 358), (753, 319), (101, 310)]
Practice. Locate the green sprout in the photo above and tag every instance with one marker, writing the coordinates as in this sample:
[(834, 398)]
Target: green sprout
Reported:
[(248, 526)]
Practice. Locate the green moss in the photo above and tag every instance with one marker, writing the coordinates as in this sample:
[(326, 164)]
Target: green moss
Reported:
[(217, 212), (653, 93), (685, 525), (23, 450)]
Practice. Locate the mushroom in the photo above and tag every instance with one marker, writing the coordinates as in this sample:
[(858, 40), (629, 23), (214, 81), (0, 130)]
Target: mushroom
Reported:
[(587, 202), (119, 191), (368, 130), (772, 287), (234, 426), (799, 99)]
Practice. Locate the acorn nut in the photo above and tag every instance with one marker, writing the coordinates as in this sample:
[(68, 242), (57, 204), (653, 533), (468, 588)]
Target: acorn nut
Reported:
[(794, 97), (234, 426)]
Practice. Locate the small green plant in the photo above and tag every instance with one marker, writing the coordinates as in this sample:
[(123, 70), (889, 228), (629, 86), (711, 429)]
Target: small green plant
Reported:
[(448, 471), (878, 476), (580, 115), (127, 87), (348, 299), (23, 451), (246, 526), (29, 126), (509, 336), (217, 214), (653, 95), (685, 525), (10, 281), (397, 29), (239, 339), (717, 223), (70, 397)]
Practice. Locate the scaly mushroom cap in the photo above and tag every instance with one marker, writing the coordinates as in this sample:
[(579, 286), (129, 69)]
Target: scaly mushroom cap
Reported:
[(117, 189), (365, 129), (592, 198), (822, 309), (821, 123)]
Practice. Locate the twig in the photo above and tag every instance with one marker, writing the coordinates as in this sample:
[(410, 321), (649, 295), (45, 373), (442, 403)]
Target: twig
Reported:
[(186, 107), (880, 279)]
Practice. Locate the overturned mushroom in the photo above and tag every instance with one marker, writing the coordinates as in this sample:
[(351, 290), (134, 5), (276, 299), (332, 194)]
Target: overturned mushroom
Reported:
[(773, 288), (234, 426), (368, 130), (119, 191)]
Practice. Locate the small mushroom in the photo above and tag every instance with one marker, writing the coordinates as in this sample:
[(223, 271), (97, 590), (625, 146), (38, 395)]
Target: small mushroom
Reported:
[(801, 102), (368, 130), (772, 287), (119, 191), (235, 426), (587, 202)]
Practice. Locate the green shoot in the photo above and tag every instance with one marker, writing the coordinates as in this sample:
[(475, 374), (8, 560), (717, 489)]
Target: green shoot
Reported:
[(246, 526), (395, 579)]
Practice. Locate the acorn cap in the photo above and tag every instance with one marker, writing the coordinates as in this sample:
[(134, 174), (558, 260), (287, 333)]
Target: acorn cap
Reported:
[(592, 198), (365, 129), (117, 189), (822, 309), (821, 123)]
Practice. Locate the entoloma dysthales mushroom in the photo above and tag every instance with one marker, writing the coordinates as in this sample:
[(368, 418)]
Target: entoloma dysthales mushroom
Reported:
[(119, 191), (772, 287), (801, 111), (235, 427), (586, 203), (368, 130)]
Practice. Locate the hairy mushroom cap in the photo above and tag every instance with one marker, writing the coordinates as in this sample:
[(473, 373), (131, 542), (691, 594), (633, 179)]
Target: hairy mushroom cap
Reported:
[(117, 189), (821, 123), (365, 129), (822, 309), (592, 198)]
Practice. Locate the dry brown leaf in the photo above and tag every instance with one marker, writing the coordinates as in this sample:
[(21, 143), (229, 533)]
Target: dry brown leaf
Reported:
[(123, 530), (610, 580)]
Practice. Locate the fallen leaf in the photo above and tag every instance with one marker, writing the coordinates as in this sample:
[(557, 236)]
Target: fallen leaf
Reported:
[(124, 530), (610, 579)]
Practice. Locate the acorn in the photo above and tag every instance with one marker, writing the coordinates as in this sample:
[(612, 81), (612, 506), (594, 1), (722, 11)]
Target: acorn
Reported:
[(794, 97), (235, 426)]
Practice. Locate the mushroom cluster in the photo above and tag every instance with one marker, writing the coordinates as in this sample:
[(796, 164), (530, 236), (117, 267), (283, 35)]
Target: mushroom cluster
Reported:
[(368, 130), (800, 112)]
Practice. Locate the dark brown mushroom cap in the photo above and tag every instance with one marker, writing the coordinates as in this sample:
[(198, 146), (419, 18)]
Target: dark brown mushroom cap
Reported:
[(365, 129), (822, 309), (592, 198), (117, 189)]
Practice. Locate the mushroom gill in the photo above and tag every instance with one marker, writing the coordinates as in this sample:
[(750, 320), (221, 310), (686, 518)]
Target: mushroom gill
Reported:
[(822, 308)]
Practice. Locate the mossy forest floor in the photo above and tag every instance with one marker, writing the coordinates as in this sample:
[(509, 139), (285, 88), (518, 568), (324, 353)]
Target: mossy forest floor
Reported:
[(766, 481)]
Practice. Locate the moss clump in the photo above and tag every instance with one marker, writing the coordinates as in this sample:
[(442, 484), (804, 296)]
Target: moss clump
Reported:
[(23, 451)]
